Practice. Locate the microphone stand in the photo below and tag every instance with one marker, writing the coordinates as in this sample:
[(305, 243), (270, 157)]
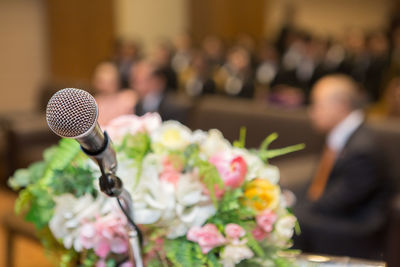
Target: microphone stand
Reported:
[(112, 186)]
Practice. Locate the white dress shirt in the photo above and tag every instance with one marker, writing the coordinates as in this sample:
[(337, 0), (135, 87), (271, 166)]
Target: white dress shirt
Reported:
[(339, 136)]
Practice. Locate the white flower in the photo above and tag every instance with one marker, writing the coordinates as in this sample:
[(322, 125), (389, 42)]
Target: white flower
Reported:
[(152, 198), (256, 168), (215, 142), (270, 173), (193, 208), (132, 124), (171, 135), (69, 213), (284, 230), (235, 253), (199, 136)]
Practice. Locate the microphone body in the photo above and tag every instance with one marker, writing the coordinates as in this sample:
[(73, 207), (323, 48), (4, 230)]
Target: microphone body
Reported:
[(72, 113)]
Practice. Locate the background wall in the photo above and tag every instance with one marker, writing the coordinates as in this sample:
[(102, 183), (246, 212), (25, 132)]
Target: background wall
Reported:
[(328, 17), (148, 20), (23, 53)]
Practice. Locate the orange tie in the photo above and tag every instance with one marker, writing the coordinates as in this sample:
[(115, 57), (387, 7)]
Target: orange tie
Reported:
[(325, 166)]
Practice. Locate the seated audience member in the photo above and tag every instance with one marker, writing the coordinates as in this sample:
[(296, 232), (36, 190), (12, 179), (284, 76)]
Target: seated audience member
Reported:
[(214, 51), (345, 208), (197, 80), (127, 53), (389, 106), (378, 48), (111, 102), (235, 77), (183, 53), (162, 56), (268, 65), (150, 83)]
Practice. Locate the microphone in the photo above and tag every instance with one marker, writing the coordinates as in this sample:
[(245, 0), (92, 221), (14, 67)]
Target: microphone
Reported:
[(72, 113)]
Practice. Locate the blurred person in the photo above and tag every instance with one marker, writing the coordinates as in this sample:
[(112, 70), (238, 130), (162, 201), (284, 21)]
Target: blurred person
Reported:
[(214, 51), (247, 42), (235, 77), (127, 52), (394, 65), (150, 83), (162, 56), (378, 49), (268, 64), (111, 102), (357, 60), (183, 53), (197, 80), (345, 208), (389, 106), (334, 58)]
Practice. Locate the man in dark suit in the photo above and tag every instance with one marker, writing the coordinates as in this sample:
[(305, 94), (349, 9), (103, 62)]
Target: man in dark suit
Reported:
[(150, 83), (345, 208)]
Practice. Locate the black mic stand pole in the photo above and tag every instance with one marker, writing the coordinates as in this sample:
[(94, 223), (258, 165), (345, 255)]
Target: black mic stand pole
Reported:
[(112, 186)]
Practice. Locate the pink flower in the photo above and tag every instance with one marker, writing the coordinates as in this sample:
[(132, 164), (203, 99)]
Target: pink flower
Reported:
[(234, 231), (208, 237), (105, 234), (171, 172), (119, 245), (101, 263), (232, 170), (259, 234), (127, 264), (102, 248), (266, 220)]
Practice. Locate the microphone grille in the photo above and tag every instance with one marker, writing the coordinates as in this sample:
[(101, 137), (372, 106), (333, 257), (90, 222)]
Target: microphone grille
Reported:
[(71, 112)]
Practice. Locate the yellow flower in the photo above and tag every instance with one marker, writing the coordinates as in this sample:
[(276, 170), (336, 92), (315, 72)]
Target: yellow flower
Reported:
[(261, 194)]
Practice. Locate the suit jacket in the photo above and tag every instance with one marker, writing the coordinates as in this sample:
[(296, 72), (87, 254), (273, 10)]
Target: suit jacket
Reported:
[(169, 108), (359, 186)]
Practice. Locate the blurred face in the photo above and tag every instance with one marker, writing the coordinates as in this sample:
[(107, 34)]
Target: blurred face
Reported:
[(143, 82), (326, 109), (106, 79)]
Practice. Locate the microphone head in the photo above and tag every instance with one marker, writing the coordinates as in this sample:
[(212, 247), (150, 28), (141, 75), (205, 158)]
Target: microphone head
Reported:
[(71, 113)]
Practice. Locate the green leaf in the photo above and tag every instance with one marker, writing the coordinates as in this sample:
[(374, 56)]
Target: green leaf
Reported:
[(73, 179), (111, 263), (269, 154), (268, 140), (254, 245), (136, 147), (24, 177), (211, 178), (241, 143), (182, 253), (207, 171)]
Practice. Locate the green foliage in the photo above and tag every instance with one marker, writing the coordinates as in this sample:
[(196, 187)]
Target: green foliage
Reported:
[(75, 180), (254, 245), (91, 258), (231, 210), (111, 263), (24, 177), (136, 147), (207, 171), (36, 199), (181, 253), (241, 143), (265, 154), (68, 258)]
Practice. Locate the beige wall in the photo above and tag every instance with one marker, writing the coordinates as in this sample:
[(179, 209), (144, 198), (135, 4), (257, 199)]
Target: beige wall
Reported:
[(149, 20), (23, 65), (329, 17)]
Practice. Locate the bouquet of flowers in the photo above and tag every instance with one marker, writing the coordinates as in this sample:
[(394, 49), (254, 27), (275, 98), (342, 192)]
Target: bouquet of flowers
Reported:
[(199, 200)]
